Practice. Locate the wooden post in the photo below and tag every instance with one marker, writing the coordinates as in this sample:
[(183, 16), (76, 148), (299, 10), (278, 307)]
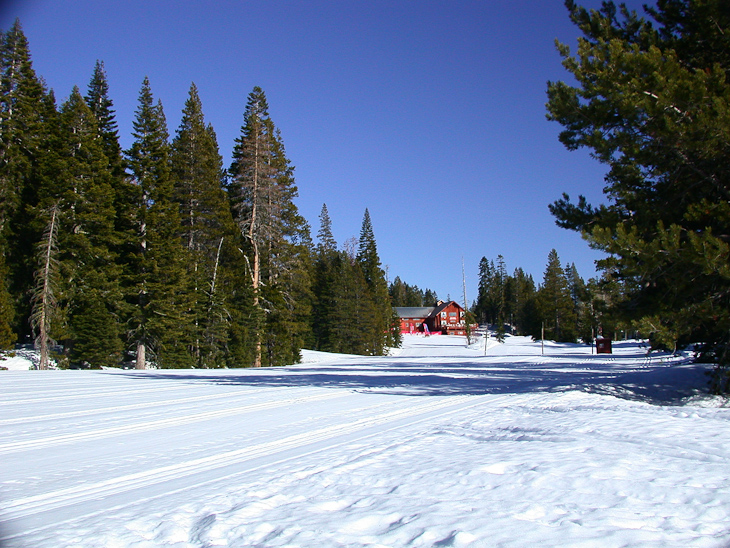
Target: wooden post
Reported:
[(542, 340)]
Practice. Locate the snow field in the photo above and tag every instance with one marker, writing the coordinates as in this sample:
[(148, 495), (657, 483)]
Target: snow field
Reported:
[(438, 445)]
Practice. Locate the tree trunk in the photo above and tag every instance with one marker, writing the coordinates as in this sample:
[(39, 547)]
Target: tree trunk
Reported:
[(44, 297), (141, 356), (256, 257), (141, 362)]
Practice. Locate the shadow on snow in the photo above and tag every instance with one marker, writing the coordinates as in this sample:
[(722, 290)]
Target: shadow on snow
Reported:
[(651, 382)]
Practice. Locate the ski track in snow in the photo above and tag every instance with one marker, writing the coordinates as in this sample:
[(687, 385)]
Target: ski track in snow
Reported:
[(437, 445), (49, 501), (145, 426)]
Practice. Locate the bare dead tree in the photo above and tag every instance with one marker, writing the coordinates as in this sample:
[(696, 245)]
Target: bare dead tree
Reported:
[(44, 293)]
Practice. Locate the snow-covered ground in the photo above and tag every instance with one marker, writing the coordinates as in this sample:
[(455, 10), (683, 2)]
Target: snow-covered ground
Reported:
[(437, 445), (19, 360)]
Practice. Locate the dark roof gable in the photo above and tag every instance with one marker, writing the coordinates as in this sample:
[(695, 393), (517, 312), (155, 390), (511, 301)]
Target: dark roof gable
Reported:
[(443, 305)]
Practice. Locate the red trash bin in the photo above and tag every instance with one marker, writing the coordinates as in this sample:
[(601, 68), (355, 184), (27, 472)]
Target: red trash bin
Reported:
[(603, 346)]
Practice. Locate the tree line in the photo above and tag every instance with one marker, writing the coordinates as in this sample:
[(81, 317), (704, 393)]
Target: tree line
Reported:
[(403, 294), (563, 308), (160, 254)]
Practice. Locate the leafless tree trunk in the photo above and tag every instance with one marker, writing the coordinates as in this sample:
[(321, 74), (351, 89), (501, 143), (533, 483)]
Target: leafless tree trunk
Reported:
[(256, 256), (44, 299), (141, 360)]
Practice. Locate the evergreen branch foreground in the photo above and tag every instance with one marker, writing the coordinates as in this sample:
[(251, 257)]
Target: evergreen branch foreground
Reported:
[(652, 102)]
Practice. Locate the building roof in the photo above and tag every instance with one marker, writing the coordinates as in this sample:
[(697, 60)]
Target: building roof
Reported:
[(424, 311), (444, 305), (414, 311)]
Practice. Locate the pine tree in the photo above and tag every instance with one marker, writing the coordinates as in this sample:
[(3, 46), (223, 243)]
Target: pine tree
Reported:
[(652, 102), (21, 124), (125, 192), (353, 318), (197, 173), (579, 296), (27, 112), (252, 190), (156, 279), (97, 99), (327, 243), (206, 226), (403, 294), (323, 284), (602, 295), (501, 282), (554, 302), (276, 237), (382, 334), (86, 255), (430, 298), (288, 270), (352, 311), (522, 300), (488, 297), (398, 292)]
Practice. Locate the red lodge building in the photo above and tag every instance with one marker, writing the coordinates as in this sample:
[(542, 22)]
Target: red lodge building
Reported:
[(445, 318)]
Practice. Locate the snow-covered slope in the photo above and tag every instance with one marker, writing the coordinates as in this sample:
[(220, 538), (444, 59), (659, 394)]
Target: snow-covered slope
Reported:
[(437, 445)]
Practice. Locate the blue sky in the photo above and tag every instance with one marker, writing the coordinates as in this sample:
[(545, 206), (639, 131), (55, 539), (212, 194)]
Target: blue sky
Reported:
[(429, 113)]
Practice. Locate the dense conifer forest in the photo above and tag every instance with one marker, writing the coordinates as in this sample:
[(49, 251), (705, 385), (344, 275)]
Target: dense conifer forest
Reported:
[(161, 255)]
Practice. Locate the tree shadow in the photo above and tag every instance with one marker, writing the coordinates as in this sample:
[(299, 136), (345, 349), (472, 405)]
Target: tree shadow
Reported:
[(653, 382)]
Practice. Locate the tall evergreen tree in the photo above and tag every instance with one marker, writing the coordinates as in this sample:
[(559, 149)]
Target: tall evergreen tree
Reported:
[(327, 241), (27, 112), (323, 283), (125, 192), (252, 187), (21, 124), (504, 299), (206, 226), (652, 102), (554, 302), (262, 191), (353, 320), (501, 282), (383, 334), (86, 255), (398, 291), (403, 294), (488, 297), (288, 272), (352, 306), (521, 302), (156, 278), (430, 298), (97, 99), (579, 296)]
